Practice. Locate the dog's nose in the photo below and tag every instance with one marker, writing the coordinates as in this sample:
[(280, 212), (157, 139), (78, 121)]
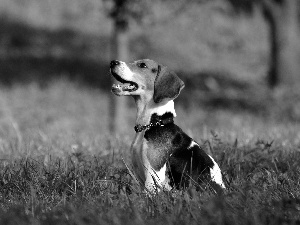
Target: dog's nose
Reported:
[(114, 63)]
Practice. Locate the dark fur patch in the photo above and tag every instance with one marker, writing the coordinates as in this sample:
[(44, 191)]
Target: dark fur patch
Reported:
[(162, 144), (154, 70), (170, 144), (164, 119), (189, 163)]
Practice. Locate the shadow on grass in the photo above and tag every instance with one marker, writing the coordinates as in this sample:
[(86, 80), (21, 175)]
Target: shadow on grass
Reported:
[(30, 54), (219, 90), (45, 69)]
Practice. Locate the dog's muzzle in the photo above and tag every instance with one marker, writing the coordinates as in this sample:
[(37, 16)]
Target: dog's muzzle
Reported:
[(124, 85)]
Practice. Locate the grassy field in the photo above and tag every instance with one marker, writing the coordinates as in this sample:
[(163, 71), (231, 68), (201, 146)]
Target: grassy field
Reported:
[(59, 165)]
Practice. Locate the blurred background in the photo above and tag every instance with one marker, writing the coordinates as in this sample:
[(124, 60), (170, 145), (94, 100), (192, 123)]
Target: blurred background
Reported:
[(239, 59)]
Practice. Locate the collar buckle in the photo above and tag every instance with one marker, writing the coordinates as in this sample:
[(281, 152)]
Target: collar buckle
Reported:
[(139, 128)]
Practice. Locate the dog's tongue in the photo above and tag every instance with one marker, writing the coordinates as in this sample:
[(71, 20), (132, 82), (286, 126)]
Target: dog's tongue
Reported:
[(123, 87)]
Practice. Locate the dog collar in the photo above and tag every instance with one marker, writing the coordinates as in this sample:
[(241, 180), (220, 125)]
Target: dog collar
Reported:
[(156, 121)]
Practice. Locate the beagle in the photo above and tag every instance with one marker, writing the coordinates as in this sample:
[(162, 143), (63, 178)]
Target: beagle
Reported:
[(163, 156)]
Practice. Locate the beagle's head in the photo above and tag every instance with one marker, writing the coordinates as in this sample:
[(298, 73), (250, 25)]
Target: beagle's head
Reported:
[(145, 78)]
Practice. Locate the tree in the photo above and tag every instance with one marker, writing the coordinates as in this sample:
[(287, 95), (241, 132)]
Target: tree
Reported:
[(284, 38), (122, 13), (119, 50)]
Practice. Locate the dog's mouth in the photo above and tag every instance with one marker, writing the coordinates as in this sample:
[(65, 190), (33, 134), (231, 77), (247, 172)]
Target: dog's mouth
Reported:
[(125, 85)]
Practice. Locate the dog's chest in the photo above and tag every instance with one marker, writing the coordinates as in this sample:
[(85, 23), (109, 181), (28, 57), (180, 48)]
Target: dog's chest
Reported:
[(162, 142), (152, 149)]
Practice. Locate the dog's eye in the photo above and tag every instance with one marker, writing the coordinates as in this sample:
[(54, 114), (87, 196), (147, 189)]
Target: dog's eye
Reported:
[(142, 65)]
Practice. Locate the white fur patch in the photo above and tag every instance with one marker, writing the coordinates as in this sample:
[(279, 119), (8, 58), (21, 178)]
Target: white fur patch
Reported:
[(127, 74), (162, 109), (155, 180), (193, 144), (216, 174)]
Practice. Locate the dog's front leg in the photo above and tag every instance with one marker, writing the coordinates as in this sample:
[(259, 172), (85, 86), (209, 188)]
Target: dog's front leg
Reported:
[(156, 179)]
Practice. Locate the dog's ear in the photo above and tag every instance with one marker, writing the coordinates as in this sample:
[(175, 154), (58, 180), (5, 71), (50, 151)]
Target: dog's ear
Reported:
[(166, 85)]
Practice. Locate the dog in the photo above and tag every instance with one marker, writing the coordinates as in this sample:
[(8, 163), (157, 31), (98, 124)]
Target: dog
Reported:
[(163, 156)]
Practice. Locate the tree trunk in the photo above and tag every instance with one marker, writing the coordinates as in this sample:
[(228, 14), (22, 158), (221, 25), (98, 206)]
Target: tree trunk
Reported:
[(273, 73), (118, 121), (284, 43)]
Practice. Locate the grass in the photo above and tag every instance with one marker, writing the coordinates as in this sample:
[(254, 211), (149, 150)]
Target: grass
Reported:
[(60, 166)]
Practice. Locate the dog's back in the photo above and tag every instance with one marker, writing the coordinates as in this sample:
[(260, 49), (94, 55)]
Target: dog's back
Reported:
[(186, 161)]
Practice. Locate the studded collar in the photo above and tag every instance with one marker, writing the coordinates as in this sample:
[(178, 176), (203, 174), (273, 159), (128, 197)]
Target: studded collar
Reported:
[(156, 121)]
